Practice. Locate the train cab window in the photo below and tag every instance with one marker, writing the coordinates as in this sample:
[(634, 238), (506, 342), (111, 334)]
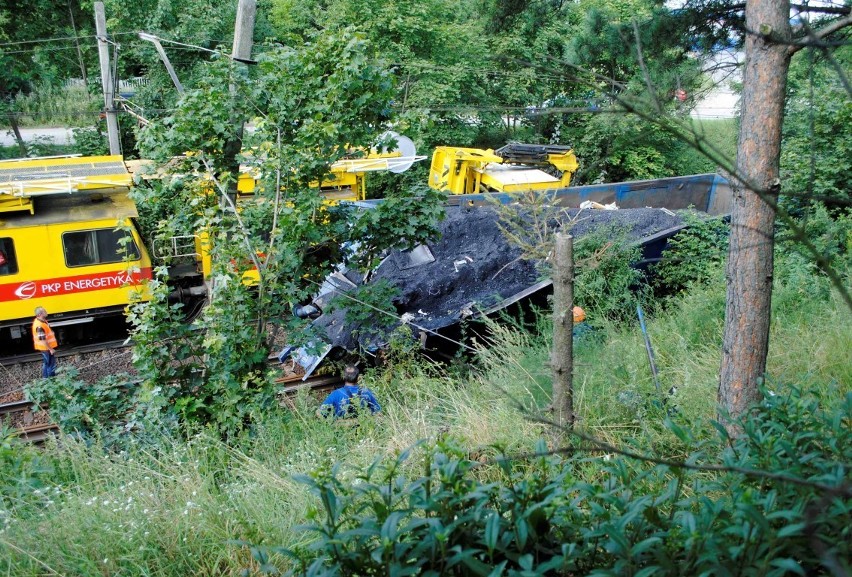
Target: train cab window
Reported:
[(8, 259), (101, 246)]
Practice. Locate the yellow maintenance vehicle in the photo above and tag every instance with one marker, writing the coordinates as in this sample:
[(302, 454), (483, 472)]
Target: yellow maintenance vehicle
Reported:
[(346, 182), (68, 242), (347, 177), (513, 168)]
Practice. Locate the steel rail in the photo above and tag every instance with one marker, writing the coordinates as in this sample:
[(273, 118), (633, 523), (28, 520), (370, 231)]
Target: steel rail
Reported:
[(65, 352), (15, 407)]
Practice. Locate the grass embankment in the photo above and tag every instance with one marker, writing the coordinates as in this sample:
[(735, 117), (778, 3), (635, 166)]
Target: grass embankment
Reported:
[(173, 507)]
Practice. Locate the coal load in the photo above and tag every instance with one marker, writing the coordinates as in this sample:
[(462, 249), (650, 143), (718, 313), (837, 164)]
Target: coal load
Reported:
[(471, 268)]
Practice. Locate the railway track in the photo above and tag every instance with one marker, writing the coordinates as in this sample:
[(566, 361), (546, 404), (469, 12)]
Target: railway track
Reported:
[(292, 385), (32, 423), (65, 352), (20, 415)]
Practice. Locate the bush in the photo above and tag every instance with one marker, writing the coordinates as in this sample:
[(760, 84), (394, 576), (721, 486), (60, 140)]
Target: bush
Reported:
[(779, 504), (605, 283), (694, 255), (90, 141), (829, 232), (83, 408), (49, 105)]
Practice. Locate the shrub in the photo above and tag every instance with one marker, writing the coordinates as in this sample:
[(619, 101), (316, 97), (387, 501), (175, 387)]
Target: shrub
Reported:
[(778, 503), (694, 255), (49, 105), (83, 408), (829, 232), (90, 141), (605, 282)]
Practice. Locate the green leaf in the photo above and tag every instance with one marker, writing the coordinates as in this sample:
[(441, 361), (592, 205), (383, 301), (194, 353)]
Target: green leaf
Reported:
[(644, 545), (492, 532), (788, 565), (475, 565), (521, 533), (791, 530)]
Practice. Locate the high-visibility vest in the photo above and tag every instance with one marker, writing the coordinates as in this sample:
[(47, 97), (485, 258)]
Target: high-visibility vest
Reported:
[(43, 337)]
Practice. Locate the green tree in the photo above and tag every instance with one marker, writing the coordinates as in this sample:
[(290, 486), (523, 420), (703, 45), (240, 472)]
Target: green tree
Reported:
[(622, 57), (818, 129), (438, 51), (769, 46), (32, 55), (311, 105)]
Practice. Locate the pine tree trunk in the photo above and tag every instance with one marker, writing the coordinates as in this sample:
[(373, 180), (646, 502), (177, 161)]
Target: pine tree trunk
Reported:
[(750, 254)]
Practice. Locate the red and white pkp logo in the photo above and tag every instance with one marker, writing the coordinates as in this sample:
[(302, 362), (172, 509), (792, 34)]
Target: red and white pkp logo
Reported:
[(26, 291)]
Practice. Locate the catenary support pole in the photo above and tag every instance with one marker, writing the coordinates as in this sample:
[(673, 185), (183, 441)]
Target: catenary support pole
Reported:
[(244, 29), (106, 79), (562, 356), (241, 51)]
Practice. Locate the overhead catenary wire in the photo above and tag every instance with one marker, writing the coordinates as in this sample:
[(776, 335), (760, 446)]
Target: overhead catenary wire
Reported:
[(63, 38)]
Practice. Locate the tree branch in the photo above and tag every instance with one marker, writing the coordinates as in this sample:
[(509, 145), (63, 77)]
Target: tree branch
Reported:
[(817, 35), (723, 9), (842, 490)]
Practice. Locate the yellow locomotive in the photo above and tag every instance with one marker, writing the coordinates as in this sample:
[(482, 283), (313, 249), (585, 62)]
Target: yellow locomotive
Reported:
[(68, 242)]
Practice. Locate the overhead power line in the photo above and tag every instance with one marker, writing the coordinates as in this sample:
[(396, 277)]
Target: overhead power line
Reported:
[(64, 38)]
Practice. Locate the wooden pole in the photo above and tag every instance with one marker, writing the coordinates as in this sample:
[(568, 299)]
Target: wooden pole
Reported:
[(107, 80), (562, 356)]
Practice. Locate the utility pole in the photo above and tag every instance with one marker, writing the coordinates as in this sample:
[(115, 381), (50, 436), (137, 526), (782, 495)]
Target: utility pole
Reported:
[(244, 29), (165, 59), (241, 51), (106, 79)]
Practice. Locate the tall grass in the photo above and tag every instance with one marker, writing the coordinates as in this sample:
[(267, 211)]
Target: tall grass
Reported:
[(171, 508), (50, 105), (720, 134), (177, 507)]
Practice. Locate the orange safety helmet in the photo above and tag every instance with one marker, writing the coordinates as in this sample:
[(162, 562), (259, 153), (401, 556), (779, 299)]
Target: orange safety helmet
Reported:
[(579, 314)]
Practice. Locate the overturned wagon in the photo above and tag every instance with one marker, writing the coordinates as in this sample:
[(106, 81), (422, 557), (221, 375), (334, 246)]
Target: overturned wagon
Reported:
[(472, 270)]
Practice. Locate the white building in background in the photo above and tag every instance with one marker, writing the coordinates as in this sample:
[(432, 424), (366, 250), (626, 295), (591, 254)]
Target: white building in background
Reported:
[(720, 100)]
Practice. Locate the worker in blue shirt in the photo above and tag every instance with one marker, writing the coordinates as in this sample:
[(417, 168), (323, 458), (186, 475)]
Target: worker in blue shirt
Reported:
[(341, 404)]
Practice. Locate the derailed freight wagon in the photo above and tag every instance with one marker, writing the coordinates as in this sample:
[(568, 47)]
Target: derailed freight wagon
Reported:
[(472, 270)]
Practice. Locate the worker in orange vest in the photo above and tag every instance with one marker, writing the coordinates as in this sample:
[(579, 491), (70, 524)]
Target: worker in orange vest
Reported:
[(581, 327), (44, 342)]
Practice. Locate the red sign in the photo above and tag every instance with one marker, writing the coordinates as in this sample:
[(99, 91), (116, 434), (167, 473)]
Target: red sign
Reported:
[(72, 284)]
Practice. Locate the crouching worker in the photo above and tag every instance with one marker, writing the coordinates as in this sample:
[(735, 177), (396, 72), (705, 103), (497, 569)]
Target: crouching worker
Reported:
[(581, 327), (349, 399)]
